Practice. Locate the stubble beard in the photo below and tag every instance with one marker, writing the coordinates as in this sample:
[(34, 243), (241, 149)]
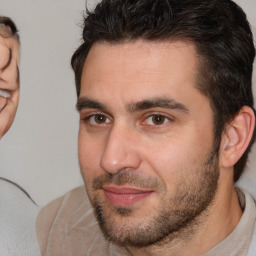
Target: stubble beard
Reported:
[(176, 216)]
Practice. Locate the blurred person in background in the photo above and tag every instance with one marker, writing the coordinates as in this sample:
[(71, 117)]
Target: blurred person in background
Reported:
[(17, 210)]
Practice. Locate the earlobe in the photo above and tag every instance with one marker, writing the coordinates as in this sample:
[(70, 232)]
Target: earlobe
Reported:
[(236, 137)]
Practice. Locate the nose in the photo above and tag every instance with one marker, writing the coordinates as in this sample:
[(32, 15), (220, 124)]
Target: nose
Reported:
[(120, 151)]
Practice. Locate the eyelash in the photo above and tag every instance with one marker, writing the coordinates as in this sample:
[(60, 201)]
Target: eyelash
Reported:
[(87, 119), (90, 119), (160, 117)]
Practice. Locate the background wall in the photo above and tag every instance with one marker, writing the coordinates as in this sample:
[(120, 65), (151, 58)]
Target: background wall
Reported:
[(40, 150)]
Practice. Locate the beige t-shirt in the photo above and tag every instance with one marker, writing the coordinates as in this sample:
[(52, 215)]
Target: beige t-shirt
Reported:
[(67, 227), (238, 242)]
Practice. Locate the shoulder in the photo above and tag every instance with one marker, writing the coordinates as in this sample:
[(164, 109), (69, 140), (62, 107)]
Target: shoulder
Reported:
[(69, 201), (59, 214), (16, 204), (13, 194), (18, 215), (252, 247), (67, 226)]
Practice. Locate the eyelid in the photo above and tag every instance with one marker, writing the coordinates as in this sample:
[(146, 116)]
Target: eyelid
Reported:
[(93, 122), (86, 117), (152, 114), (87, 112)]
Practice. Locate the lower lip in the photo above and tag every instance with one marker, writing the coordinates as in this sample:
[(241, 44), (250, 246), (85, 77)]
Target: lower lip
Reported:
[(125, 199)]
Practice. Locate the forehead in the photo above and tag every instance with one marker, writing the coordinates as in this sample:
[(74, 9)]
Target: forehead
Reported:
[(140, 65)]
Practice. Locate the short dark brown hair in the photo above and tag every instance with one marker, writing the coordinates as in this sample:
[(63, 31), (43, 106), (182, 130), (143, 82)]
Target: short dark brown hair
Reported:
[(218, 28)]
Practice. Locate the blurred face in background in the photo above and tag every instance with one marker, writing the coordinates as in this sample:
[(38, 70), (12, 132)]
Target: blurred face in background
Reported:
[(9, 78)]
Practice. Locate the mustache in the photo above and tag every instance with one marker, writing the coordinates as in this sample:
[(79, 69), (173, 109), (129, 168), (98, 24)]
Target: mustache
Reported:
[(133, 179)]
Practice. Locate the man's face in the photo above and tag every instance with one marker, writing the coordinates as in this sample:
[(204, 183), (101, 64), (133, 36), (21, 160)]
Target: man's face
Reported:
[(145, 140)]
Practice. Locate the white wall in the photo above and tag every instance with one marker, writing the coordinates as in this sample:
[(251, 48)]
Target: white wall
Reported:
[(40, 151)]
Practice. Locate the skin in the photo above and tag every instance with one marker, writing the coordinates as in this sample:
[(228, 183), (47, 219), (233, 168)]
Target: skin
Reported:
[(9, 79), (139, 155)]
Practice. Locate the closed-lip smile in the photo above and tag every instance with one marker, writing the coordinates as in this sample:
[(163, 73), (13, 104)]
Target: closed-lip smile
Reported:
[(124, 196)]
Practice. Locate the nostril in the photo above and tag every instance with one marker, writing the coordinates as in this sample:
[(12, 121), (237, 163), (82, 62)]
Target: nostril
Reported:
[(121, 161), (111, 164), (120, 150)]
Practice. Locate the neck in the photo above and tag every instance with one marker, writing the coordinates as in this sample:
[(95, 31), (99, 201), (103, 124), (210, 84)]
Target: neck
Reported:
[(209, 229)]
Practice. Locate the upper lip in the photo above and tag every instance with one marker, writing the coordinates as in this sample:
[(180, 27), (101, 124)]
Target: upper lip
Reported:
[(125, 189)]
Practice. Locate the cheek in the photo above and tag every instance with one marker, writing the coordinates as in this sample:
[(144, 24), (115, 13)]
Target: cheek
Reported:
[(4, 53), (89, 153), (173, 160), (167, 154), (3, 102)]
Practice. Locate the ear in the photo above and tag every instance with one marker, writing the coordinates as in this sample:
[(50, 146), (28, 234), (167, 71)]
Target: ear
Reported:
[(236, 137)]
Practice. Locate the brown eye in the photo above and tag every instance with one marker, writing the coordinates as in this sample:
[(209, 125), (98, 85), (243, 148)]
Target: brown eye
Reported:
[(99, 119), (156, 120)]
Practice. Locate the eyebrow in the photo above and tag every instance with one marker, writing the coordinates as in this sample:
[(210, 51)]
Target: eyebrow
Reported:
[(85, 102), (158, 103), (168, 103), (8, 62)]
